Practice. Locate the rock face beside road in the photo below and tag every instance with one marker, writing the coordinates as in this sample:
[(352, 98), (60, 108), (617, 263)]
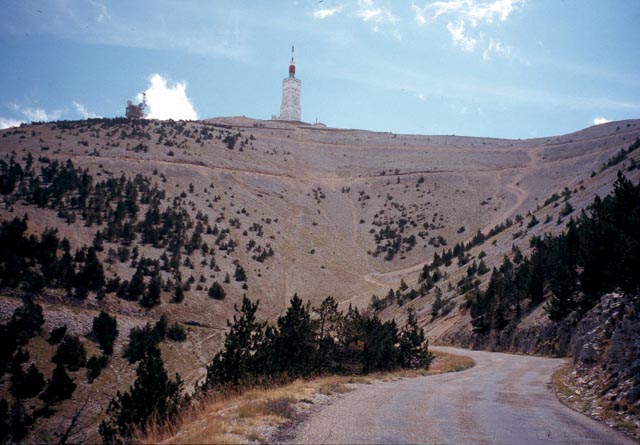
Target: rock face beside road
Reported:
[(504, 399), (608, 339), (604, 344)]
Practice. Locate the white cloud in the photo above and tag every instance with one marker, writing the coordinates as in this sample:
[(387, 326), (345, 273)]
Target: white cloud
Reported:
[(496, 47), (168, 102), (473, 13), (368, 12), (323, 13), (473, 10), (600, 120), (8, 123), (456, 30), (37, 114), (102, 13), (419, 14), (82, 111)]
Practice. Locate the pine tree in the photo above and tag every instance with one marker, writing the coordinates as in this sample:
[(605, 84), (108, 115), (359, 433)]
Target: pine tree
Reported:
[(27, 385), (240, 274), (95, 365), (141, 340), (237, 360), (424, 274), (176, 332), (325, 327), (26, 321), (105, 331), (57, 334), (535, 281), (153, 397), (71, 353), (294, 342), (151, 297), (160, 328), (136, 286), (379, 352), (482, 268), (216, 291), (60, 387), (414, 351), (91, 276), (98, 241), (178, 294)]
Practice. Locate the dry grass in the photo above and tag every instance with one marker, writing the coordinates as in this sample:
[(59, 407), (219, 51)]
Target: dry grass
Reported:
[(250, 416), (446, 362)]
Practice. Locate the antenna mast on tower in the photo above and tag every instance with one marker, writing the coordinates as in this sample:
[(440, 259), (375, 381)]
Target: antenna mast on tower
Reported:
[(292, 65)]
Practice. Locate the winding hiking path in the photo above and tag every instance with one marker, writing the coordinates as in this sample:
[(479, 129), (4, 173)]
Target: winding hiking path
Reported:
[(504, 399)]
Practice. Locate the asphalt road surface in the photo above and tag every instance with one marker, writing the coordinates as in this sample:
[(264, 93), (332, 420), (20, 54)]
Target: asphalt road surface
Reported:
[(503, 399)]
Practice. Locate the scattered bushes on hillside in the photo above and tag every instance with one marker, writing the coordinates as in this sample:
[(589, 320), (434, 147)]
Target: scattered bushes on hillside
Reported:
[(32, 262), (176, 332), (142, 340), (621, 155), (114, 205)]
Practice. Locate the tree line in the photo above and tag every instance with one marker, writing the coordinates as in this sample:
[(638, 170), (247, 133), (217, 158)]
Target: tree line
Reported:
[(598, 253), (300, 345), (303, 342)]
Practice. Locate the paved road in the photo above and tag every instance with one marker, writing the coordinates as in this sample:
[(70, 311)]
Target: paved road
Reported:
[(504, 399)]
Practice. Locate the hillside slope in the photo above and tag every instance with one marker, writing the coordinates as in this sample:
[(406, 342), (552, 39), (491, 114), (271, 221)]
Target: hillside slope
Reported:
[(298, 208)]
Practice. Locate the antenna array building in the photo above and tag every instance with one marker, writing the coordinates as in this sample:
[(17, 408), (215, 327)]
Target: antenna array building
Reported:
[(290, 108)]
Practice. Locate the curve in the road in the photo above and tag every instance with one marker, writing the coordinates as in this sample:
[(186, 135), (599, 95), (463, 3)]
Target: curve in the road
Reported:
[(504, 399)]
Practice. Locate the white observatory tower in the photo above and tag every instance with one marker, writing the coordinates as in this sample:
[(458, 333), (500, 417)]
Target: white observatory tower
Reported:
[(290, 108)]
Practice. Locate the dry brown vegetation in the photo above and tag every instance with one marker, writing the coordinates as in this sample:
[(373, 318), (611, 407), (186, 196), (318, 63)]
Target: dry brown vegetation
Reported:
[(256, 414)]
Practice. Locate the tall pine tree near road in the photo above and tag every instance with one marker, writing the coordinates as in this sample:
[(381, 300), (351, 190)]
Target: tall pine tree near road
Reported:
[(153, 397), (294, 344)]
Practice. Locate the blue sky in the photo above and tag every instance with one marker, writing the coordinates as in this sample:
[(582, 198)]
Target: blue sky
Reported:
[(501, 68)]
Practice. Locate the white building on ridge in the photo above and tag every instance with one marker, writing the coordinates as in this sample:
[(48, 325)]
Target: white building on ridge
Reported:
[(290, 108)]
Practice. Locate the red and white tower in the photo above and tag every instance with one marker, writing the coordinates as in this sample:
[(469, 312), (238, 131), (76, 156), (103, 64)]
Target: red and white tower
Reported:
[(290, 108)]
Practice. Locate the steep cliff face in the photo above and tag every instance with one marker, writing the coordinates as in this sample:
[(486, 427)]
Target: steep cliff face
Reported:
[(604, 342), (605, 346)]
